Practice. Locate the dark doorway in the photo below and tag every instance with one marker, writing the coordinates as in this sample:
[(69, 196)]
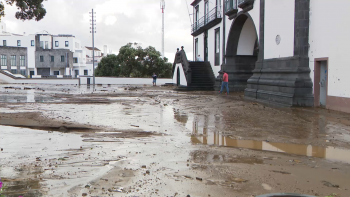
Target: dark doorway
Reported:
[(44, 71), (178, 77), (88, 81), (206, 46), (56, 72), (31, 73), (241, 52), (321, 82), (76, 73)]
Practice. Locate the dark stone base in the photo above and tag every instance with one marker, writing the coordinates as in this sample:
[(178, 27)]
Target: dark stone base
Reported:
[(239, 69), (284, 81)]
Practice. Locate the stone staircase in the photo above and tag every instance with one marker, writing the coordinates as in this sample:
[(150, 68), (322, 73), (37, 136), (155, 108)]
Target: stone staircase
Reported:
[(201, 77)]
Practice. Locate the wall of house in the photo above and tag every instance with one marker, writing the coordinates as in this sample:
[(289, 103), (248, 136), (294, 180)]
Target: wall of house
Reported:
[(279, 20), (17, 51), (25, 42), (329, 38)]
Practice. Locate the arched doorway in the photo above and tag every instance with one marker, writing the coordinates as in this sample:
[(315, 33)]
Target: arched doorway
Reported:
[(178, 77), (241, 52)]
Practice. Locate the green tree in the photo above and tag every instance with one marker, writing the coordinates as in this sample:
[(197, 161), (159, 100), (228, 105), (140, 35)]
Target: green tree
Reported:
[(135, 62), (27, 9), (109, 66)]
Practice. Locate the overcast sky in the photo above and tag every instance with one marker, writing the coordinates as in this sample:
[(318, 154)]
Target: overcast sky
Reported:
[(118, 23)]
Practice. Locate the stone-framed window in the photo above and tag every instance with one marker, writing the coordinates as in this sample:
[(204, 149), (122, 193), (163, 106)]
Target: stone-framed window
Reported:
[(3, 60), (217, 46), (22, 61), (41, 44), (46, 44), (75, 60), (32, 43), (62, 58), (41, 58), (13, 60), (56, 44), (18, 43), (4, 43), (52, 58), (66, 44), (14, 71), (85, 72)]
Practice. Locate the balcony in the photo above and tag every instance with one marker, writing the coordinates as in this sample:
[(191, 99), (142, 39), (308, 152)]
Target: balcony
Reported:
[(231, 8), (246, 5), (206, 22)]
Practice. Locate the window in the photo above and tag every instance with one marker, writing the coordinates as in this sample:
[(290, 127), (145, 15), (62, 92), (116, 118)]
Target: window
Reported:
[(13, 60), (22, 60), (32, 43), (217, 47), (4, 43), (46, 44), (206, 11), (23, 72), (66, 44), (56, 44), (14, 71), (75, 60), (41, 58), (41, 44), (18, 43), (56, 72), (62, 58), (3, 60), (196, 49), (52, 58), (85, 72)]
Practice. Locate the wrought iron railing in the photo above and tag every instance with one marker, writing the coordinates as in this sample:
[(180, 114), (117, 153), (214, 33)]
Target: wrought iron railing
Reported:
[(212, 15), (231, 5)]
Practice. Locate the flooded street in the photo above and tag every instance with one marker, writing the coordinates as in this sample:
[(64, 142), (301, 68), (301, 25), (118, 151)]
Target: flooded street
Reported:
[(153, 141)]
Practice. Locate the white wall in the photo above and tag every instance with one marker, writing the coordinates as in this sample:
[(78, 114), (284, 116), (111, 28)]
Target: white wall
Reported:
[(279, 20), (247, 39), (6, 79), (329, 37), (46, 38), (123, 81), (183, 80)]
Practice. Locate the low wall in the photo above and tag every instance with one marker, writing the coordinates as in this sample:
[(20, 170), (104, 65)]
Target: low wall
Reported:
[(121, 81), (5, 78)]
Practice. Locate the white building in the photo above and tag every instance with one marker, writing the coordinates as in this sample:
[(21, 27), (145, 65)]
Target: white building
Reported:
[(49, 45), (288, 52)]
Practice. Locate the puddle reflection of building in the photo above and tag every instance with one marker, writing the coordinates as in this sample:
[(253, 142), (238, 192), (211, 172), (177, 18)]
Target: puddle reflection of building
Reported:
[(183, 118)]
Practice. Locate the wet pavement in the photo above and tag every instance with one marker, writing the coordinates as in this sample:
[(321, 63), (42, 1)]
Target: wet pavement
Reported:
[(153, 141)]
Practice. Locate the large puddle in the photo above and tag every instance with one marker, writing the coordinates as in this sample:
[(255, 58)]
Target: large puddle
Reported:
[(204, 129)]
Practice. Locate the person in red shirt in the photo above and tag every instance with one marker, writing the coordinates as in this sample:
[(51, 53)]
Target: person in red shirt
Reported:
[(224, 83)]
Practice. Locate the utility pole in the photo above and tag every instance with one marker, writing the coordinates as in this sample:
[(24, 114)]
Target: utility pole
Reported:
[(92, 30), (162, 6)]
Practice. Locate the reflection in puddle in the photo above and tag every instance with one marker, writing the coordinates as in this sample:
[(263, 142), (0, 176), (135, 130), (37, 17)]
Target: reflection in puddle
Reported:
[(330, 153), (201, 135)]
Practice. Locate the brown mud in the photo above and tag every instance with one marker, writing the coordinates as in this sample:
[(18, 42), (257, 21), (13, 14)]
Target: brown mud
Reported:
[(153, 141)]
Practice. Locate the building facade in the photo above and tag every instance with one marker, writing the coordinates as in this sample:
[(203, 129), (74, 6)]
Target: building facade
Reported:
[(277, 51), (14, 59)]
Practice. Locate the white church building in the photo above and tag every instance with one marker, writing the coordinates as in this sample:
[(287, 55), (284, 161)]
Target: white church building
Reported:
[(288, 52)]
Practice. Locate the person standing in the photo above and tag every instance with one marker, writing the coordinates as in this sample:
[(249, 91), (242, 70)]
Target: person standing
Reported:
[(199, 59), (224, 83), (154, 76)]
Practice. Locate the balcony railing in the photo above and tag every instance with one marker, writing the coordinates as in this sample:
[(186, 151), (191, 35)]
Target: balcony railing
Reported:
[(231, 8), (213, 14)]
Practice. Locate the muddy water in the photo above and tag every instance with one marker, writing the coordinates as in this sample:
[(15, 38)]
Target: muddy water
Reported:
[(150, 128), (206, 130)]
